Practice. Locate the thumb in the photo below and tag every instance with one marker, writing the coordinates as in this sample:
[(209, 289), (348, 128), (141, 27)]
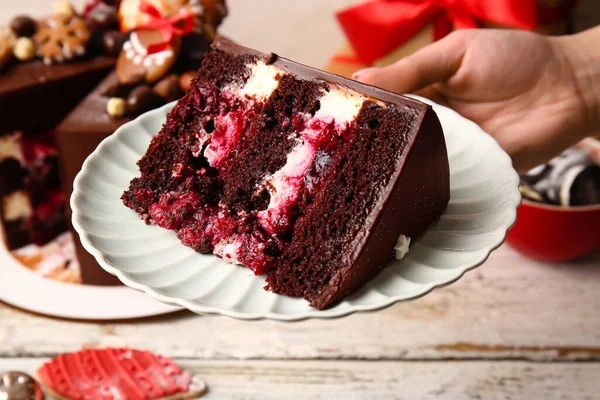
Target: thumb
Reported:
[(434, 63)]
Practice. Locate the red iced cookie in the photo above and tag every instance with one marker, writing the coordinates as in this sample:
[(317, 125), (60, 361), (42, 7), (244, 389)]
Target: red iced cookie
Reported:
[(118, 374)]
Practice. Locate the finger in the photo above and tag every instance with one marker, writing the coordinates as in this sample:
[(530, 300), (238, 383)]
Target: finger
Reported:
[(434, 63)]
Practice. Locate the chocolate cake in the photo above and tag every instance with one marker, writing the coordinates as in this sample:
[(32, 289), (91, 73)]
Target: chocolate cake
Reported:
[(290, 171), (139, 87), (47, 67)]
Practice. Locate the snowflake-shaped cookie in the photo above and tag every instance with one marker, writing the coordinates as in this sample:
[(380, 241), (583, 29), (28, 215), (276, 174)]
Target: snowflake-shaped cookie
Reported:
[(61, 38)]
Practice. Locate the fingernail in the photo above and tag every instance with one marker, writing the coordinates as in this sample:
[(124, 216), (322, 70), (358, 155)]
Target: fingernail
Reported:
[(358, 74)]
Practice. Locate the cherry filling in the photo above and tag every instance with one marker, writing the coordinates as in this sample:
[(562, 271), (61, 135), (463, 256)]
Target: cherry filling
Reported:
[(250, 238), (301, 171), (228, 131)]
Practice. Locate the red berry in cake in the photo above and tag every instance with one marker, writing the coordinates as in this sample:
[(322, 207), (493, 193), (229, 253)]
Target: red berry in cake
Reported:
[(172, 210)]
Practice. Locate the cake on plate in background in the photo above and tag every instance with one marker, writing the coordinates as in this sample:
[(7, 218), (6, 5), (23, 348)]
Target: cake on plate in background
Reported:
[(46, 67), (54, 68)]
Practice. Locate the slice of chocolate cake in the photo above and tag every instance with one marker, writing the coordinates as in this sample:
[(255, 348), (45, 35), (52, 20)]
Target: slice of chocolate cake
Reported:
[(290, 171)]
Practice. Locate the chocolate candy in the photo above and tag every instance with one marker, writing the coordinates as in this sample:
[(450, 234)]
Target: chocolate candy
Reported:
[(585, 189), (135, 62), (112, 42), (116, 107), (64, 8), (142, 99), (116, 90), (168, 88), (103, 18), (23, 26), (24, 49), (193, 48), (15, 385), (185, 80)]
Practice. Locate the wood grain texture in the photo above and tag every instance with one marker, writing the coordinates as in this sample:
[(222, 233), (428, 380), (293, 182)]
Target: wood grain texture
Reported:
[(266, 380), (510, 308)]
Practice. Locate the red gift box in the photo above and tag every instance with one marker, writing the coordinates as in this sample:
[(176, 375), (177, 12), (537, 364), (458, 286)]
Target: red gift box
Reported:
[(380, 32)]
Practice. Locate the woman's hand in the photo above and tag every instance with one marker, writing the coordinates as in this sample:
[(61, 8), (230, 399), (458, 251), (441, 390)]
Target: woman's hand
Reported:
[(535, 94)]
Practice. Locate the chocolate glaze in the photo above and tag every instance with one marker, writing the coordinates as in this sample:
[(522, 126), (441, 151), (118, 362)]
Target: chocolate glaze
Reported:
[(305, 72), (78, 136), (35, 97), (414, 198)]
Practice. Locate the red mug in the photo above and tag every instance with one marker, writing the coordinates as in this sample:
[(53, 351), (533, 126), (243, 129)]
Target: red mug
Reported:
[(554, 233)]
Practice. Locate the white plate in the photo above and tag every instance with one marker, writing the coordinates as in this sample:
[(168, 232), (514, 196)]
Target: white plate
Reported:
[(25, 289), (484, 197)]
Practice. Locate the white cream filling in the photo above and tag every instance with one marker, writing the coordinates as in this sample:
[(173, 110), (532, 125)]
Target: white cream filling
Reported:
[(17, 206), (338, 105), (229, 251), (402, 246), (341, 104), (263, 81), (10, 147)]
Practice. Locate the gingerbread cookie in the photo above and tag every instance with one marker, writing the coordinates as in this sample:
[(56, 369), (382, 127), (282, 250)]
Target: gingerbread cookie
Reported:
[(7, 41), (61, 38), (118, 374), (136, 64)]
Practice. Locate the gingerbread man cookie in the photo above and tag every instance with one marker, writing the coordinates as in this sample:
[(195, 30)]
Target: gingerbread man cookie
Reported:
[(136, 64)]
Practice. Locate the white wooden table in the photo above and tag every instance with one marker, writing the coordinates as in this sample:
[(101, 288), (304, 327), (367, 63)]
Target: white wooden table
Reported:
[(512, 329)]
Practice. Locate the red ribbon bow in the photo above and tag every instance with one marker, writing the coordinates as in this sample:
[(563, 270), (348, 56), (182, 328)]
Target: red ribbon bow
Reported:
[(377, 27), (168, 26)]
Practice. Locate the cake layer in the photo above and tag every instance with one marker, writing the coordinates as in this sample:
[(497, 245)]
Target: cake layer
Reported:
[(287, 170)]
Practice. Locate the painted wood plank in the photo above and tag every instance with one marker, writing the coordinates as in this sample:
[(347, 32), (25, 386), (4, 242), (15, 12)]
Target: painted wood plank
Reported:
[(281, 380), (510, 307)]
